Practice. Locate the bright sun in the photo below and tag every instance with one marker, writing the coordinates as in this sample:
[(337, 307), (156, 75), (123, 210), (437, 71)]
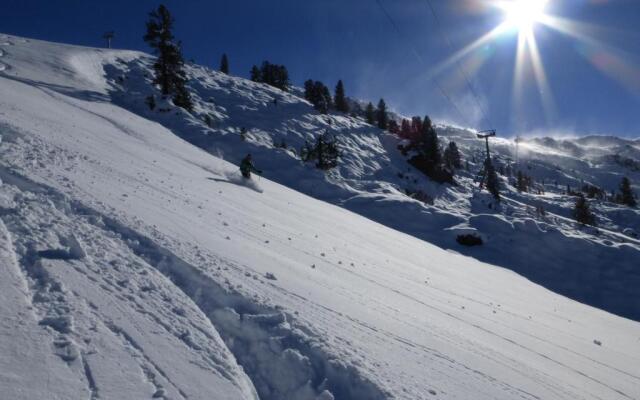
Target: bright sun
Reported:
[(523, 14)]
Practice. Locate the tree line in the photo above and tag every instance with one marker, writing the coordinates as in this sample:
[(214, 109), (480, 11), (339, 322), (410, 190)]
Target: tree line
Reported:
[(421, 142), (438, 164)]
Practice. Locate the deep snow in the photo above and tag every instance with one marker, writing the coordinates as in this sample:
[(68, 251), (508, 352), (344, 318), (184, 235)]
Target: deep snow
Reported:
[(132, 267)]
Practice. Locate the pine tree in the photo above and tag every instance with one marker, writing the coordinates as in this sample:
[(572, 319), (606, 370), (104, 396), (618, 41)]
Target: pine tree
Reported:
[(626, 194), (416, 128), (339, 99), (224, 64), (493, 184), (326, 102), (430, 145), (318, 95), (182, 98), (322, 105), (582, 212), (393, 127), (271, 74), (308, 90), (169, 66), (255, 75), (282, 82), (429, 158), (370, 114), (405, 129), (325, 152), (160, 38), (452, 156), (382, 118)]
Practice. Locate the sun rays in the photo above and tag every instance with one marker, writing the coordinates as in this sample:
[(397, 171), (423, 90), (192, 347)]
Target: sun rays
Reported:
[(521, 20)]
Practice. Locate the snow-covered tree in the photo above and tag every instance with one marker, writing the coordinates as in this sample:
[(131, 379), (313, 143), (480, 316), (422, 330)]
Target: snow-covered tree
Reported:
[(169, 66)]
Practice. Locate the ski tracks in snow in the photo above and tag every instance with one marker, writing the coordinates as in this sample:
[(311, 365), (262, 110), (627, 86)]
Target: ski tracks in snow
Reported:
[(84, 292)]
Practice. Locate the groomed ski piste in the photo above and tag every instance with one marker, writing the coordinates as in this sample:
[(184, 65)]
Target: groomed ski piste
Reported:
[(134, 265)]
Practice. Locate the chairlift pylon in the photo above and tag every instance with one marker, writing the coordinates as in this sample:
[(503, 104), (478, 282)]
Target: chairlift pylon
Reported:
[(486, 134)]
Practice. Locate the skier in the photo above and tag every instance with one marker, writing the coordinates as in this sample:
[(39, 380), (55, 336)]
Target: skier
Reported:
[(246, 166)]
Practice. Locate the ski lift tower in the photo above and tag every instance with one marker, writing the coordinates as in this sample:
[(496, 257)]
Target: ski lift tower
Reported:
[(485, 135), (108, 36)]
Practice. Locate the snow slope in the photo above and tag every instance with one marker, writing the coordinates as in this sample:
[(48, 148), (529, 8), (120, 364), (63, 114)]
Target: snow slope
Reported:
[(135, 266), (597, 267)]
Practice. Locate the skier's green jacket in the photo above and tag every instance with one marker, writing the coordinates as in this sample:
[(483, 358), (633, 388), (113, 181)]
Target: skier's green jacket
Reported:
[(246, 167)]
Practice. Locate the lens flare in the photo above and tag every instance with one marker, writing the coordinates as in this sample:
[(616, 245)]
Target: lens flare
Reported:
[(523, 14), (522, 17)]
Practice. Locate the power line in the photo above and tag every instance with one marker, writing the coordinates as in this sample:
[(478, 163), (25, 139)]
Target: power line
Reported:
[(445, 39), (421, 60), (398, 31)]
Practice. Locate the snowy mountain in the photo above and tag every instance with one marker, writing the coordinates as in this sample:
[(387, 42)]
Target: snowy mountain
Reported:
[(136, 265), (373, 179)]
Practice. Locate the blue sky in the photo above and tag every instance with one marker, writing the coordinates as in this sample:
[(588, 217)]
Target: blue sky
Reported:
[(392, 48)]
